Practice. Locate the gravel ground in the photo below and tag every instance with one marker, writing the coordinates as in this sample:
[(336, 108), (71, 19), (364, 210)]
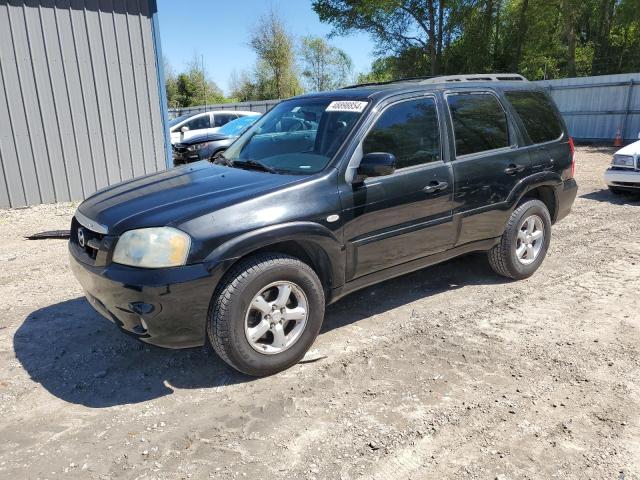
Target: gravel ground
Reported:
[(450, 372)]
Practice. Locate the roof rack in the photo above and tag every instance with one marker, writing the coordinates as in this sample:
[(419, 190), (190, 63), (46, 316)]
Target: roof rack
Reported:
[(388, 82), (477, 77)]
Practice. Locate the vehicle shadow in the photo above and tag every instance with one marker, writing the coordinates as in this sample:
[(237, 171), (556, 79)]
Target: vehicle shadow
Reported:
[(82, 358), (471, 269), (605, 195)]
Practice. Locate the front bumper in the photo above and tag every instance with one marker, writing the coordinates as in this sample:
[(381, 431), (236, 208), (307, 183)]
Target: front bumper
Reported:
[(164, 307), (188, 157), (623, 179)]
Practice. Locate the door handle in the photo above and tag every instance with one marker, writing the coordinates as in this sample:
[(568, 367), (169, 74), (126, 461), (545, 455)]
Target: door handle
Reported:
[(435, 187), (513, 169)]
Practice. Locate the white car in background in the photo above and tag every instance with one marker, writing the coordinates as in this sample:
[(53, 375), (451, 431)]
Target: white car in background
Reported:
[(624, 173), (186, 126)]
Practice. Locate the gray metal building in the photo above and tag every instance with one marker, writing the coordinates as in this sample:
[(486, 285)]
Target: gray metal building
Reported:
[(595, 108), (80, 97)]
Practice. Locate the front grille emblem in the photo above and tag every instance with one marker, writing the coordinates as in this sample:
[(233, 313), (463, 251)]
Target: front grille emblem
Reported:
[(81, 240)]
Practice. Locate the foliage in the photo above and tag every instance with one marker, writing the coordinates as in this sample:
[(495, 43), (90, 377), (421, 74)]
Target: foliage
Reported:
[(275, 72), (325, 67), (538, 38), (191, 87)]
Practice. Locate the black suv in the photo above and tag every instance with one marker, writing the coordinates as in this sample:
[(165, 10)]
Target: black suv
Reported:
[(377, 181)]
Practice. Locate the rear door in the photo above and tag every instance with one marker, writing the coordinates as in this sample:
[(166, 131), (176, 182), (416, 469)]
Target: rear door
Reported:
[(401, 217), (487, 163)]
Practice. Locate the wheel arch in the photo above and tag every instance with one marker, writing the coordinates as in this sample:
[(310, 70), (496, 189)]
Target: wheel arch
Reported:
[(310, 242), (542, 186)]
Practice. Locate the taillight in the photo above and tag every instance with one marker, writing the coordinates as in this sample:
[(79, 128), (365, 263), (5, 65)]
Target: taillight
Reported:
[(572, 149)]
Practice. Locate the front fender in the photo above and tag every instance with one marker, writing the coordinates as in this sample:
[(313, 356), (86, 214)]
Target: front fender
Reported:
[(327, 248)]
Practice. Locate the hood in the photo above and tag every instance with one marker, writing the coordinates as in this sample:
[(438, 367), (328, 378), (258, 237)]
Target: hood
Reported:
[(631, 149), (174, 196)]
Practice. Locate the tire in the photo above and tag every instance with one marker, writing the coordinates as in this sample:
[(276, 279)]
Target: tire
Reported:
[(504, 259), (230, 314)]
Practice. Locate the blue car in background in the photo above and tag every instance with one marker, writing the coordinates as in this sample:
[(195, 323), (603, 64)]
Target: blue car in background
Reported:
[(208, 145)]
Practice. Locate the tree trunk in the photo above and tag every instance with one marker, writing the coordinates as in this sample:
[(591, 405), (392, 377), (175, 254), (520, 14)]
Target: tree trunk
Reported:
[(486, 33), (496, 42), (570, 36), (601, 40), (433, 54), (520, 36), (440, 26)]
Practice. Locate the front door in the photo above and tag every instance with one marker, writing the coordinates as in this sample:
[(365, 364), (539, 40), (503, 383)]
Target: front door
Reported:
[(487, 163), (401, 217)]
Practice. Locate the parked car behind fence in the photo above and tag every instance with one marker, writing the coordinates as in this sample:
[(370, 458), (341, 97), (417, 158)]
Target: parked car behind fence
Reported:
[(185, 127)]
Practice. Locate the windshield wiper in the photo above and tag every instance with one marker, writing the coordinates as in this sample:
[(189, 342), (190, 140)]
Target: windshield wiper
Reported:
[(255, 165)]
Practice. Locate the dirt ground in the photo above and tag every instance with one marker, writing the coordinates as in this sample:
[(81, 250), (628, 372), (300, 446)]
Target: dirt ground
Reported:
[(450, 372)]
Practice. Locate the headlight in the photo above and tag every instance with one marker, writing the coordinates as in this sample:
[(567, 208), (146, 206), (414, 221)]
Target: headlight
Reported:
[(198, 146), (623, 161), (152, 248)]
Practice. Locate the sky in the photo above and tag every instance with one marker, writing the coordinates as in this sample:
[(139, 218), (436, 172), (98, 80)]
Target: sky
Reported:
[(219, 31)]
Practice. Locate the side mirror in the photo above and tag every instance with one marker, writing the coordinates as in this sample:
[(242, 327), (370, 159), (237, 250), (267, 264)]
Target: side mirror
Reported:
[(184, 129), (376, 164)]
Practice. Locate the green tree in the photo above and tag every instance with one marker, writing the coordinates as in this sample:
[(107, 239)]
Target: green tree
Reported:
[(397, 25), (191, 87), (540, 39), (325, 67), (275, 71)]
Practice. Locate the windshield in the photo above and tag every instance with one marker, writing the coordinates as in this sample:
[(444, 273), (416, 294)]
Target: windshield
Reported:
[(235, 127), (297, 136), (177, 120)]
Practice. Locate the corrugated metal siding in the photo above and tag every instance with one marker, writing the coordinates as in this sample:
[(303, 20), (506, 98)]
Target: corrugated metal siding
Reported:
[(79, 99), (594, 108)]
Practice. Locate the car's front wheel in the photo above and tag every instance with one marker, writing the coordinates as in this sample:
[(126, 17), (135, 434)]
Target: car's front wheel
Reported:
[(266, 314), (524, 243)]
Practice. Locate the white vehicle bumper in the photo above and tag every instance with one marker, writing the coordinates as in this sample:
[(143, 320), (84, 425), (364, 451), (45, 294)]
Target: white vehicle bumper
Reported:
[(623, 179)]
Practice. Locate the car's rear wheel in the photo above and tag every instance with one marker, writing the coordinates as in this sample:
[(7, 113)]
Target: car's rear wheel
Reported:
[(266, 314), (524, 243)]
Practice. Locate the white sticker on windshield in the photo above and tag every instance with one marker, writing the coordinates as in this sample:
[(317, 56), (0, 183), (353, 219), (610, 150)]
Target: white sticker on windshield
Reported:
[(346, 106)]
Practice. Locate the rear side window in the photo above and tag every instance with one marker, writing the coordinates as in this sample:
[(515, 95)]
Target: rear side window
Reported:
[(199, 123), (537, 114), (220, 119), (479, 122), (409, 130)]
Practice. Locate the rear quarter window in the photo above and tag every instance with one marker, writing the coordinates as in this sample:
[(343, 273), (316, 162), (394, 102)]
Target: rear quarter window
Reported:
[(538, 115)]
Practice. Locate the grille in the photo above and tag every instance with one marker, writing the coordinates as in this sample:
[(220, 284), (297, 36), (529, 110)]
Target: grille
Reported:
[(92, 242)]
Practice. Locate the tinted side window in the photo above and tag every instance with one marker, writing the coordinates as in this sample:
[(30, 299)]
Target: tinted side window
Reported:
[(537, 114), (479, 123), (409, 130), (220, 119), (199, 123)]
